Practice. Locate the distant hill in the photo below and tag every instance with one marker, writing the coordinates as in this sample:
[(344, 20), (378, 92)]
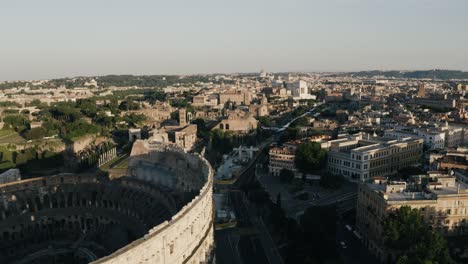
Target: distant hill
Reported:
[(429, 74)]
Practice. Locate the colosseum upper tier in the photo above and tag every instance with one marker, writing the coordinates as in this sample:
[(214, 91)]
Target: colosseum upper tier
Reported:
[(161, 212)]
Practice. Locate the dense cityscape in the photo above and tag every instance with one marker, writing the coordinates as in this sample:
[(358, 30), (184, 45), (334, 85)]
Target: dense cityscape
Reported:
[(351, 167)]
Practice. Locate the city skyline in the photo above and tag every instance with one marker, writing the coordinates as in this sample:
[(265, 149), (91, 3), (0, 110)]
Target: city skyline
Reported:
[(53, 39)]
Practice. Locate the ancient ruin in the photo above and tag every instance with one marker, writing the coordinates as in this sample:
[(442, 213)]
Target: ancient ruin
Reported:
[(162, 212)]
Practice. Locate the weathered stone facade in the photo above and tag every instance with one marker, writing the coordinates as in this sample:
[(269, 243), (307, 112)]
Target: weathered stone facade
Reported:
[(238, 122), (165, 204), (188, 236)]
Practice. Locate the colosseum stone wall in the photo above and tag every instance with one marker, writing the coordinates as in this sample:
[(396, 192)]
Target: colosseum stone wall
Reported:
[(162, 213)]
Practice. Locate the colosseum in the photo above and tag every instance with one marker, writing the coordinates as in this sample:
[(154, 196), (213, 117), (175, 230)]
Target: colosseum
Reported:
[(160, 212)]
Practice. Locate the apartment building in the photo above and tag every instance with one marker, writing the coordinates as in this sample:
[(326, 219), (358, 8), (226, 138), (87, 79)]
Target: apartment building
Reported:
[(282, 158), (434, 138), (360, 157), (205, 100), (454, 137), (436, 102), (238, 97), (442, 199)]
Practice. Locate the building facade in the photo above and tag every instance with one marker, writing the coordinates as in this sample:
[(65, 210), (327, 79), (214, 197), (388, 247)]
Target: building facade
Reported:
[(434, 138), (205, 100), (299, 90), (238, 123), (238, 97), (281, 158), (443, 201), (359, 159)]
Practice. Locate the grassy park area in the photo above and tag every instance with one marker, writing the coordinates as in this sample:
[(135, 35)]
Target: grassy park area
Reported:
[(10, 136), (120, 162)]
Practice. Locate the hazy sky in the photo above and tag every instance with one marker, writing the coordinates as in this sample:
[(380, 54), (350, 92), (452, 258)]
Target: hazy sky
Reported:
[(57, 38)]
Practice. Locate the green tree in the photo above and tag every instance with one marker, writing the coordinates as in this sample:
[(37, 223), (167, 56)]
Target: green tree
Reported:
[(264, 121), (133, 119), (154, 95), (412, 240), (221, 141), (129, 105), (104, 120), (179, 102), (291, 133), (202, 130), (301, 122), (35, 133), (15, 120), (310, 157), (20, 158), (87, 107)]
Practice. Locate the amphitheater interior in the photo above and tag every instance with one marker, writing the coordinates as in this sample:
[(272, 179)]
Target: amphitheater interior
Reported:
[(148, 216)]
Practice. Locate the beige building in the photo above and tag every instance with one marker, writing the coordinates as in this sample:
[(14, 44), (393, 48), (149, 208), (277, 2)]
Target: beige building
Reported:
[(421, 90), (435, 137), (360, 157), (281, 158), (260, 109), (205, 100), (238, 97), (461, 87), (238, 122), (158, 112), (443, 201), (436, 102), (184, 135), (207, 115)]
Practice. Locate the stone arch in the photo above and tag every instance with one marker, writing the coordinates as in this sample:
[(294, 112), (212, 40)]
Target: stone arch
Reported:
[(62, 200), (93, 198), (47, 203), (54, 201), (70, 199), (30, 205), (38, 203)]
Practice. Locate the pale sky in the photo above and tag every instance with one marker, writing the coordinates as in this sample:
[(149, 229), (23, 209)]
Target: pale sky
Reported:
[(42, 39)]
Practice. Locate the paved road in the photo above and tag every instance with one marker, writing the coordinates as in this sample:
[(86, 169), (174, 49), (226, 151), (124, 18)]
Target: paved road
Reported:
[(281, 129), (252, 251), (248, 218), (227, 251), (354, 251), (252, 248)]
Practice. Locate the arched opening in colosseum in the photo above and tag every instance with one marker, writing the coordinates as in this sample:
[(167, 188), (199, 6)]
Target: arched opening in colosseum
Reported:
[(38, 203), (64, 213)]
